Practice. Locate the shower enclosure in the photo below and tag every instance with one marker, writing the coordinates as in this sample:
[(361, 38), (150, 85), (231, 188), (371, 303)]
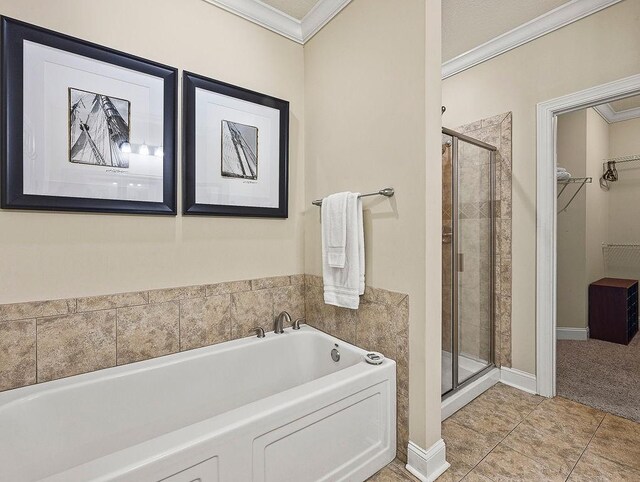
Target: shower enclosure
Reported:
[(467, 259)]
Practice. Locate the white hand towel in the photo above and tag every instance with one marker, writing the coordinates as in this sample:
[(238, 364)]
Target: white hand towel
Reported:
[(334, 228), (343, 286)]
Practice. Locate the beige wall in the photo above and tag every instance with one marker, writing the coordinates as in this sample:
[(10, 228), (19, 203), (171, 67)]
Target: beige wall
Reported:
[(56, 255), (624, 199), (583, 142), (571, 272), (597, 200), (624, 140), (365, 130), (595, 50)]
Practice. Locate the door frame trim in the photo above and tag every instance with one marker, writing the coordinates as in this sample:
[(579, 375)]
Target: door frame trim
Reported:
[(546, 223)]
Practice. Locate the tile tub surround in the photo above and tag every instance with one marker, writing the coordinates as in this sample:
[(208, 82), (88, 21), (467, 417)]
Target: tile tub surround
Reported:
[(381, 324), (46, 340), (497, 131), (43, 341)]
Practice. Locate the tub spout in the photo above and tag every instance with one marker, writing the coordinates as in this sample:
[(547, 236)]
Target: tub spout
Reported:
[(258, 331), (282, 319)]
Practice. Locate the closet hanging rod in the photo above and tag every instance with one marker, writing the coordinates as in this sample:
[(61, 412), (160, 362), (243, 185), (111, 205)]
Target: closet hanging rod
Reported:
[(387, 191), (619, 160), (621, 245)]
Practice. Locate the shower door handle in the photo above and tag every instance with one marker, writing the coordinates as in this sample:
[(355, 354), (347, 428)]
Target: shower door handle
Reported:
[(460, 262)]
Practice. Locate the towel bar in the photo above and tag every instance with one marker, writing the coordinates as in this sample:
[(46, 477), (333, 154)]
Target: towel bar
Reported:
[(387, 191)]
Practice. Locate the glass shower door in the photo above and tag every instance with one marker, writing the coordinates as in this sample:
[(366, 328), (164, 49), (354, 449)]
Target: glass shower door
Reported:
[(473, 262), (447, 265), (467, 258)]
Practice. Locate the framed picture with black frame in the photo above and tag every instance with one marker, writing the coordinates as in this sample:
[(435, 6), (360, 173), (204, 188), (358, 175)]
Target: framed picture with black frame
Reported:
[(85, 127), (236, 144)]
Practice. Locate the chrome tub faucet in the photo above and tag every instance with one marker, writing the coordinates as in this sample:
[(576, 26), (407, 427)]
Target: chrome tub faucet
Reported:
[(281, 319)]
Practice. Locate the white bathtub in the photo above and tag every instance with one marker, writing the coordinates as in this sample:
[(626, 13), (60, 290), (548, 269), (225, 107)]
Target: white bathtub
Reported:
[(272, 409)]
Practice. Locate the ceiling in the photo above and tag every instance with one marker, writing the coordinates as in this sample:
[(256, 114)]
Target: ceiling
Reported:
[(294, 8), (620, 110), (626, 104), (298, 20), (467, 24)]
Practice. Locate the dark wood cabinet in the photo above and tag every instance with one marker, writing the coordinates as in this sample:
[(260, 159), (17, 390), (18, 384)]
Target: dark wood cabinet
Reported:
[(613, 310)]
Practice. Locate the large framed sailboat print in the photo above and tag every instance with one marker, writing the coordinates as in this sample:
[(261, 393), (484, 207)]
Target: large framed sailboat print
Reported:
[(235, 150), (85, 127)]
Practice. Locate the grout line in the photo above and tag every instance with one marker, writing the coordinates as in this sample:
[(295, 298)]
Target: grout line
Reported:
[(35, 321), (116, 360), (503, 438), (527, 456), (587, 446)]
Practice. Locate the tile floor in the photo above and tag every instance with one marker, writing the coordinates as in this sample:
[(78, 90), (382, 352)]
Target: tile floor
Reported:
[(507, 435)]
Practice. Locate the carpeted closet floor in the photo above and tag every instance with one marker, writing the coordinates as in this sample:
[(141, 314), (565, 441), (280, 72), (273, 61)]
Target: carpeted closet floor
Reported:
[(600, 374)]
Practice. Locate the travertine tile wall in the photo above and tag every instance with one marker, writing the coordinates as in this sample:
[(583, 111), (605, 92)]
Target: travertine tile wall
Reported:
[(46, 340), (381, 324)]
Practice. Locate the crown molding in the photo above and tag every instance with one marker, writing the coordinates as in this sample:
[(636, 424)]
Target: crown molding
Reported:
[(320, 15), (279, 22), (542, 25), (612, 116)]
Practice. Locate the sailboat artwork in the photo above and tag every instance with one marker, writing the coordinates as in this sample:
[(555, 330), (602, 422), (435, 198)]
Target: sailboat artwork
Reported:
[(98, 129), (239, 150)]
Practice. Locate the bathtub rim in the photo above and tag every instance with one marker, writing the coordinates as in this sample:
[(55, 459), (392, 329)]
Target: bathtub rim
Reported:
[(10, 397)]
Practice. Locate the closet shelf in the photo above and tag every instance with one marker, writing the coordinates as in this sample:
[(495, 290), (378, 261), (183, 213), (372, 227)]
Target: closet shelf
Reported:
[(581, 181)]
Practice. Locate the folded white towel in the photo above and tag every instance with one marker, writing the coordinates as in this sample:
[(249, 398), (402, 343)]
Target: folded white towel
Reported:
[(560, 169), (343, 286), (563, 175), (334, 228)]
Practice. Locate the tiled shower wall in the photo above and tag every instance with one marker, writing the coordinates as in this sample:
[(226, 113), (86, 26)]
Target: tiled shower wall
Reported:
[(46, 340)]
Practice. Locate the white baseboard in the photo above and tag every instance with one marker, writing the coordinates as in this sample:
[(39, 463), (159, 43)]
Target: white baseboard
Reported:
[(456, 401), (580, 334), (519, 379), (427, 465)]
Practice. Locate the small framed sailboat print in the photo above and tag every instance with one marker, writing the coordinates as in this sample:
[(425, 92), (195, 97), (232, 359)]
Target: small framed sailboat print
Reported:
[(236, 145), (86, 128)]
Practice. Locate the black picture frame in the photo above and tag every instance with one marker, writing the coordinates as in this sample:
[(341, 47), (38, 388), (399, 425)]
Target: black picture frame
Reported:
[(191, 82), (14, 33)]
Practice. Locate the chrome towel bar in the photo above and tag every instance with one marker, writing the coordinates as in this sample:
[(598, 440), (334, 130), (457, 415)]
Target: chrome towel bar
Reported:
[(387, 191)]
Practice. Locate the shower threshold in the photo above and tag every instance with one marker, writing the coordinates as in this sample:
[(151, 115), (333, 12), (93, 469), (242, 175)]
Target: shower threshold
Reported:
[(470, 389)]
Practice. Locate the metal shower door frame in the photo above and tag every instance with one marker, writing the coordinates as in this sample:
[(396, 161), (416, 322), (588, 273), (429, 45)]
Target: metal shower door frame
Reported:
[(455, 261)]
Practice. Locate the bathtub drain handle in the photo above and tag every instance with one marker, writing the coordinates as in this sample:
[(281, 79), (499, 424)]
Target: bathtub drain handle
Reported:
[(335, 354)]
